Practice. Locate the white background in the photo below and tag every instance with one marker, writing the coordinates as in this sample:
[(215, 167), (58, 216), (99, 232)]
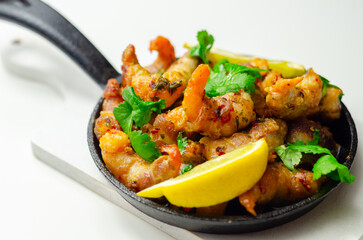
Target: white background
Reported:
[(37, 202)]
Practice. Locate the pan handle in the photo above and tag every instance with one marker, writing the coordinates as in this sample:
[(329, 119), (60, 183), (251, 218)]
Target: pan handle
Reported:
[(41, 18)]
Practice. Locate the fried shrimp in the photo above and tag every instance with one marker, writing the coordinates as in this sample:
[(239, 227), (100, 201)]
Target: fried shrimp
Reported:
[(112, 95), (166, 54), (296, 97), (210, 123), (273, 130), (330, 106), (107, 121), (217, 116), (133, 171), (153, 87), (279, 185)]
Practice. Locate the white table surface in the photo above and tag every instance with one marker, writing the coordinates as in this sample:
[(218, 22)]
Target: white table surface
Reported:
[(38, 202)]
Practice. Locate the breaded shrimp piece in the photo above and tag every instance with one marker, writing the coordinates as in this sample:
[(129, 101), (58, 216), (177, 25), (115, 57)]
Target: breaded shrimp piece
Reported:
[(153, 87), (217, 116), (279, 185), (133, 171), (166, 131), (104, 123), (296, 97), (166, 55), (112, 95), (330, 107), (273, 130), (107, 121)]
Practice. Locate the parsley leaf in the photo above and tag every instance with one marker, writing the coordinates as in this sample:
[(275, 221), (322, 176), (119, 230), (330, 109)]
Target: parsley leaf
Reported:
[(143, 146), (182, 142), (326, 84), (135, 110), (289, 157), (187, 168), (205, 44), (316, 138), (227, 77), (326, 165)]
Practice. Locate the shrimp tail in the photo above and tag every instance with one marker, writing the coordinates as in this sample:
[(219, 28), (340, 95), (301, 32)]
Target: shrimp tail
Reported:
[(129, 56), (194, 93), (166, 54)]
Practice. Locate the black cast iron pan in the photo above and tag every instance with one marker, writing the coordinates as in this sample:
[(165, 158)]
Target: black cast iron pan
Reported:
[(44, 20)]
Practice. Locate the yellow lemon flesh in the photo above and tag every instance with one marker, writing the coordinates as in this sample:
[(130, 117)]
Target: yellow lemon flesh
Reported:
[(287, 69), (217, 180)]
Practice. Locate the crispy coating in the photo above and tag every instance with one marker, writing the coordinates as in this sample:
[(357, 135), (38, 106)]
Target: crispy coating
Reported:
[(296, 97), (279, 186), (112, 95), (273, 130), (104, 123), (217, 116), (153, 87), (133, 171), (330, 106), (303, 130)]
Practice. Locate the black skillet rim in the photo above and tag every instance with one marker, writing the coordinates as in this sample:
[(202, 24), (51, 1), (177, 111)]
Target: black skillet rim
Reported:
[(223, 224)]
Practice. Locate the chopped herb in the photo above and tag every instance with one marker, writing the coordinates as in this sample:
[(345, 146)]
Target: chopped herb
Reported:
[(143, 146), (326, 84), (202, 49), (135, 110), (227, 77), (182, 143), (288, 156), (326, 165), (187, 168), (340, 96)]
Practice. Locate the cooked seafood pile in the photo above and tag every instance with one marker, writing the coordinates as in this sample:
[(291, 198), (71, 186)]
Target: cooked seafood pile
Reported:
[(164, 119)]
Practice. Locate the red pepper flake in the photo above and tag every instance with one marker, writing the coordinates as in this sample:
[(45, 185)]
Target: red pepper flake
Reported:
[(262, 187), (221, 153), (254, 125), (155, 131), (226, 118), (292, 106)]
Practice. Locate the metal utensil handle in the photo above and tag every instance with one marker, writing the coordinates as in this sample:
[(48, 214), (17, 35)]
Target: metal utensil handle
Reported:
[(41, 18)]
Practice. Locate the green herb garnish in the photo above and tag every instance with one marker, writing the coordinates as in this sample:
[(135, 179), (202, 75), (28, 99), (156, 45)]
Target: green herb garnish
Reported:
[(205, 44), (228, 77), (135, 110), (143, 146), (325, 165), (326, 84), (182, 143), (187, 168)]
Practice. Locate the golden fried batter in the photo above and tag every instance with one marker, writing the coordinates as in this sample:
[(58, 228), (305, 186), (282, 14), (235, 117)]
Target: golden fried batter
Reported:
[(279, 186), (273, 130)]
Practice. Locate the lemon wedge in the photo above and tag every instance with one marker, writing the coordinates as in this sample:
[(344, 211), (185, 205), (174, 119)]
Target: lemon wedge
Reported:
[(217, 180), (287, 69)]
